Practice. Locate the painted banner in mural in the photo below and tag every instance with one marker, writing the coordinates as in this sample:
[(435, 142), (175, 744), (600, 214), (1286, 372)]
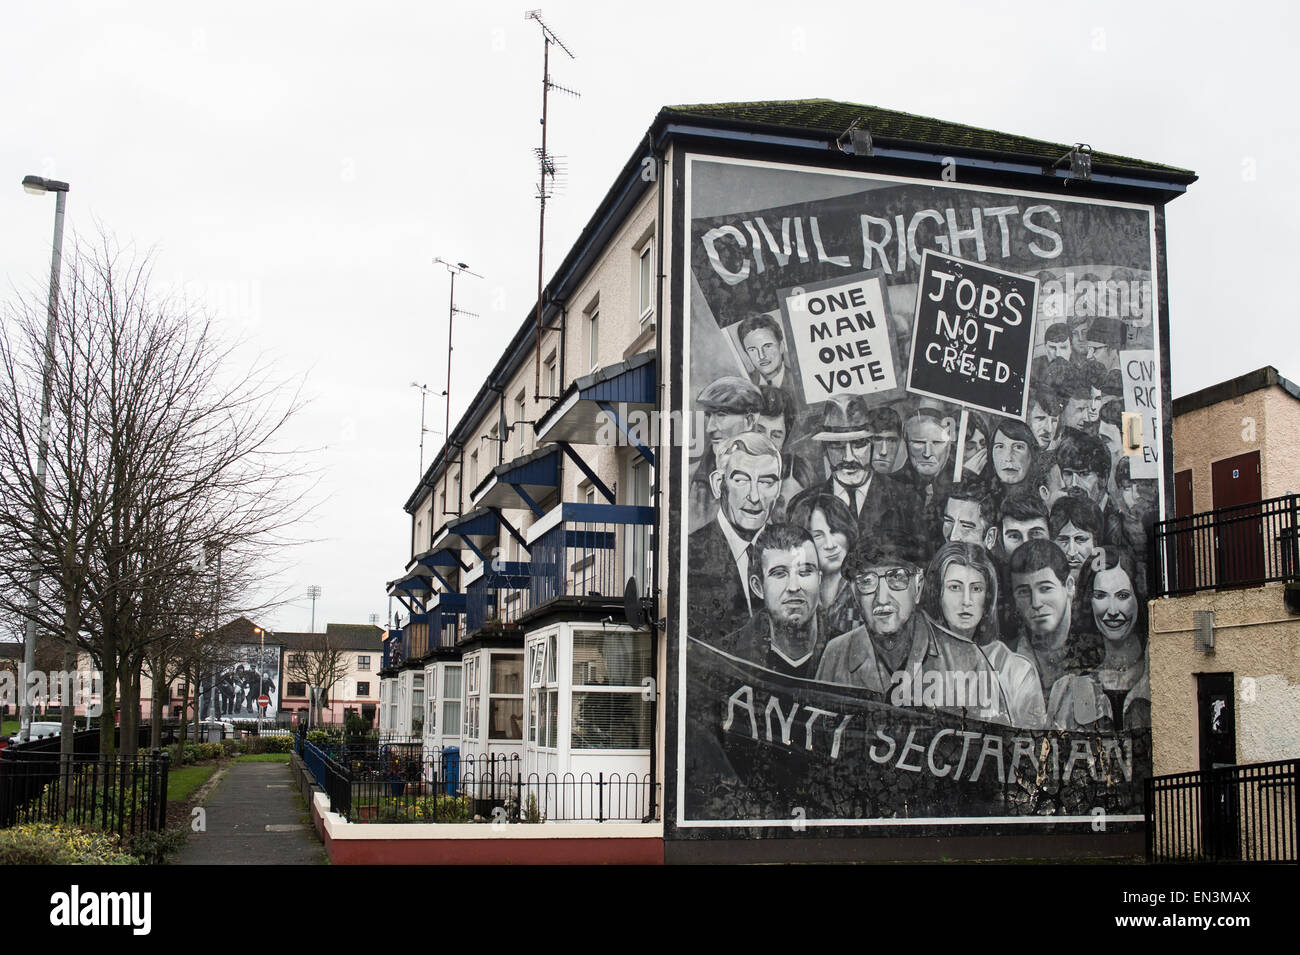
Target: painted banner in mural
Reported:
[(877, 630), (245, 672)]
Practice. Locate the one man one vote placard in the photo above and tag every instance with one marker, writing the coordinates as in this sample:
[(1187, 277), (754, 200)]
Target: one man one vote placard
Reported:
[(841, 336)]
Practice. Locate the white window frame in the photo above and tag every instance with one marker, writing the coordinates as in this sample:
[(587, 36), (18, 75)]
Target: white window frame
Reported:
[(449, 700), (470, 730), (543, 701), (431, 701), (645, 281), (521, 409), (577, 690), (493, 695), (552, 379), (593, 338)]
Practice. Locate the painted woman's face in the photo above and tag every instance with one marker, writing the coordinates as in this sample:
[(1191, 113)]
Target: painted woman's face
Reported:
[(1114, 604), (1010, 459), (831, 546), (962, 598)]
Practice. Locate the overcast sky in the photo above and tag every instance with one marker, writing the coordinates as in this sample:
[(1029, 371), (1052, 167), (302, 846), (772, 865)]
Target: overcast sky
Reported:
[(297, 166)]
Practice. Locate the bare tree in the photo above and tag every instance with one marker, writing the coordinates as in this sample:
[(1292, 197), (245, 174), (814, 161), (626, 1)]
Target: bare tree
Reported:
[(164, 448), (321, 662)]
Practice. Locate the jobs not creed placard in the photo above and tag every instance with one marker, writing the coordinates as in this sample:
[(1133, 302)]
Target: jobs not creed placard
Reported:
[(973, 337)]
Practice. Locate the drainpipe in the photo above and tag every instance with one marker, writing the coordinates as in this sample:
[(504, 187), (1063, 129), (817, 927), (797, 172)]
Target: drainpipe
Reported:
[(660, 464)]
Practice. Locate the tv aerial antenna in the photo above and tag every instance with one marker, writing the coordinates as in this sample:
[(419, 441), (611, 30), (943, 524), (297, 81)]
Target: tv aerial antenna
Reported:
[(551, 174), (454, 268)]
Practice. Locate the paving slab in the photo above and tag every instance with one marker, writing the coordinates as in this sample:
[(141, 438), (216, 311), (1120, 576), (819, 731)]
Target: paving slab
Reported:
[(254, 818)]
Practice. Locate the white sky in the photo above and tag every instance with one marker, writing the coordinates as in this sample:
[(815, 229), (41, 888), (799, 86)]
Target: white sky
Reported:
[(298, 165)]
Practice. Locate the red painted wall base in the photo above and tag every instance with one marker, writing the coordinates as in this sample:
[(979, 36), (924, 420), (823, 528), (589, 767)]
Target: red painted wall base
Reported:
[(495, 851)]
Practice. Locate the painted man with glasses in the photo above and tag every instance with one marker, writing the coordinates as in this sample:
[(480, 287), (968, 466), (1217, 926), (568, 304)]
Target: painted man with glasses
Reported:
[(900, 653)]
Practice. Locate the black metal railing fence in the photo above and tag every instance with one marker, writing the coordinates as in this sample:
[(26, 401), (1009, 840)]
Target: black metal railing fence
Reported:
[(126, 795), (1244, 813), (1239, 546)]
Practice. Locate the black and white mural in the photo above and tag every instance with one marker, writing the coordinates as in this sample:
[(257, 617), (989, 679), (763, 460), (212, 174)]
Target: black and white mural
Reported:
[(913, 567), (245, 673)]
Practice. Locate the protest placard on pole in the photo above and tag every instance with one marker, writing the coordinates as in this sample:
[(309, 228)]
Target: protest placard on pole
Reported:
[(841, 336), (1142, 396), (973, 339)]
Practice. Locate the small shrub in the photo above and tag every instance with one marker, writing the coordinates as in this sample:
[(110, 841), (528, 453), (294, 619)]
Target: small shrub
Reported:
[(426, 809), (354, 725), (277, 744), (153, 848), (255, 745), (190, 753), (44, 844), (320, 738), (533, 813), (211, 750)]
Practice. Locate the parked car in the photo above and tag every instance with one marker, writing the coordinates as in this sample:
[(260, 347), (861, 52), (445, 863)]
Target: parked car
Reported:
[(38, 731)]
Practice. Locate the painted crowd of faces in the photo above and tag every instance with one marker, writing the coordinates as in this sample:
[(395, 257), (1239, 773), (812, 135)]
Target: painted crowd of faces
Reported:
[(1041, 479)]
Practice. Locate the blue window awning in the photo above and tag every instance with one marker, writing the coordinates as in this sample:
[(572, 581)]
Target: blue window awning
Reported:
[(447, 603), (479, 531), (596, 409), (522, 482)]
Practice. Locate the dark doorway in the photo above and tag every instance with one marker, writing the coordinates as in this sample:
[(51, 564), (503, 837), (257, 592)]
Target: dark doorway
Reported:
[(1239, 540), (1185, 539), (1217, 718)]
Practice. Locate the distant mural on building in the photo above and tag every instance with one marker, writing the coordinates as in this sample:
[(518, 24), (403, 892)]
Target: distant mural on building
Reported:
[(914, 568), (235, 683)]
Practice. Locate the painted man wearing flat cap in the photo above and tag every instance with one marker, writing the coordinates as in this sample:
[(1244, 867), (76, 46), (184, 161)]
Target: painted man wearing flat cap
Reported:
[(729, 406), (845, 438), (901, 653)]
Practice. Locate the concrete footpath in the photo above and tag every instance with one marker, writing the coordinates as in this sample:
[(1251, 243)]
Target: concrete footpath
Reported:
[(254, 818)]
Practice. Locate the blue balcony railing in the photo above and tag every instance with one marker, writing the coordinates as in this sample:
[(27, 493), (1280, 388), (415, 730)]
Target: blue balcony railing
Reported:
[(394, 649), (591, 551), (446, 620), (499, 597)]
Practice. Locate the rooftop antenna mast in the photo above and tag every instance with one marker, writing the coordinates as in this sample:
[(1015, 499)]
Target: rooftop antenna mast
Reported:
[(424, 393), (454, 268), (550, 172)]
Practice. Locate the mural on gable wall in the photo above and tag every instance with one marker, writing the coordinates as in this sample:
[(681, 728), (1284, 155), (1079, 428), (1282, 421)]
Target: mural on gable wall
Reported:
[(914, 573), (234, 685)]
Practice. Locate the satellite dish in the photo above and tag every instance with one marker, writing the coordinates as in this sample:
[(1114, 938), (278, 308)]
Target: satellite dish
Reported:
[(632, 609)]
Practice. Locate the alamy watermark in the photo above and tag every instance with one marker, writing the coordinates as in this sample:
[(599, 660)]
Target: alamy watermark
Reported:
[(629, 427), (84, 688)]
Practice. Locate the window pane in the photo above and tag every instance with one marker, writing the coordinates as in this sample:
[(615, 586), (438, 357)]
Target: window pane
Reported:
[(451, 715), (451, 683), (507, 719), (611, 721), (646, 258), (552, 718), (610, 659), (507, 674)]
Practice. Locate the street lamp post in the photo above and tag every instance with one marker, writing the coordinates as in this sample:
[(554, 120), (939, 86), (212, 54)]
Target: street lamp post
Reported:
[(261, 677), (39, 187)]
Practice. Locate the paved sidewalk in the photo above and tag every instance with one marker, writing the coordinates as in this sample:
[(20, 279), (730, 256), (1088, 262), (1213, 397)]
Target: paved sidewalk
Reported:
[(253, 818)]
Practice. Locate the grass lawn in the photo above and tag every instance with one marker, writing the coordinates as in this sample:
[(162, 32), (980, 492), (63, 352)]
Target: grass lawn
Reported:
[(9, 727), (182, 782), (263, 758)]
